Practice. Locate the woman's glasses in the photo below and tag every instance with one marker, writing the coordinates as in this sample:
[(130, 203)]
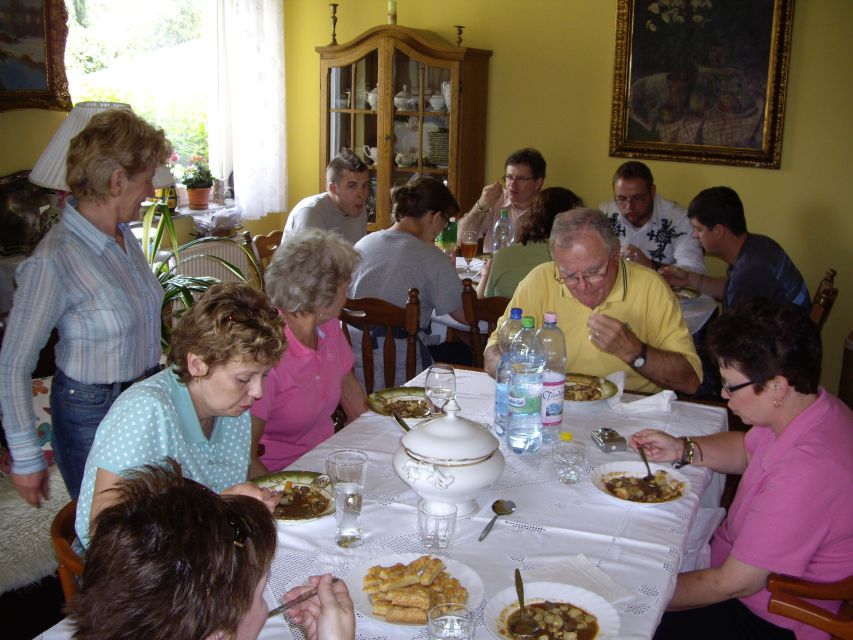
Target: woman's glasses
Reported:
[(247, 314), (730, 389)]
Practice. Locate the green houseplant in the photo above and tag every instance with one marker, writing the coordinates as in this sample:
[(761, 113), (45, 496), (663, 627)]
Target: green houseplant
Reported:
[(198, 180)]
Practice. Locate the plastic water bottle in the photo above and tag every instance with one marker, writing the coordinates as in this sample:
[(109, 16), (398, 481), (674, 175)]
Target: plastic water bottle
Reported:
[(553, 378), (507, 331), (503, 234), (524, 429)]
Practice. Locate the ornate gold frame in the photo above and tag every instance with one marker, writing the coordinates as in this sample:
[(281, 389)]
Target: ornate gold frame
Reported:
[(769, 115), (55, 95)]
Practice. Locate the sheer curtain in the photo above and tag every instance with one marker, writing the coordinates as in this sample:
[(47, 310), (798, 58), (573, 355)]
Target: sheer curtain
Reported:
[(247, 128)]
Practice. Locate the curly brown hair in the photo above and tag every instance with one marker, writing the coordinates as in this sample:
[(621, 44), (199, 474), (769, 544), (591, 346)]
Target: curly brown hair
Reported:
[(536, 226), (231, 320), (172, 559)]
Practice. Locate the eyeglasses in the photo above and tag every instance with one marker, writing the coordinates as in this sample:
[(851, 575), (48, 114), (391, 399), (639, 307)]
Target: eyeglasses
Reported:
[(590, 278), (245, 315), (447, 221), (729, 389), (240, 530), (508, 179), (638, 199)]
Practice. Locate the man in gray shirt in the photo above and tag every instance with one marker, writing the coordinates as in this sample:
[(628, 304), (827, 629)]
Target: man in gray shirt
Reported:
[(342, 207)]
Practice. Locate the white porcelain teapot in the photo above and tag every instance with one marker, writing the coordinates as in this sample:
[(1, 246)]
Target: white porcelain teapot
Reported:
[(449, 458), (373, 97)]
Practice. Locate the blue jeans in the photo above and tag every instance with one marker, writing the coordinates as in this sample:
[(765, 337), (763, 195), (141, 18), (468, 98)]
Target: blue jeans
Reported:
[(76, 411)]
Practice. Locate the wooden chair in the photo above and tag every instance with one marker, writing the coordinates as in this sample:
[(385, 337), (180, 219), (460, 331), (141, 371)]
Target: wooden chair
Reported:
[(488, 310), (786, 599), (824, 298), (265, 246), (62, 534), (375, 318), (845, 383)]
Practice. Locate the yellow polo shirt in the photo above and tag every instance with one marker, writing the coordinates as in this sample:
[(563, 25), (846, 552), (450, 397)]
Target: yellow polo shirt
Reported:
[(639, 297)]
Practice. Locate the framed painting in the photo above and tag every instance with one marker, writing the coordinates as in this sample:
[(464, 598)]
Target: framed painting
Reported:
[(32, 52), (701, 80)]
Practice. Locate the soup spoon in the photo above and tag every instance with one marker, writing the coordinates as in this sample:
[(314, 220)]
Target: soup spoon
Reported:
[(523, 625), (501, 508)]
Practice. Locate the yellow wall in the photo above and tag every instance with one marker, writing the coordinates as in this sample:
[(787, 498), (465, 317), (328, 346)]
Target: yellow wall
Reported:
[(550, 83)]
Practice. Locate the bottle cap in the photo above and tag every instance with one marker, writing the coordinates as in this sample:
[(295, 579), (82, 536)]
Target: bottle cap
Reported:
[(566, 436), (528, 322), (550, 317), (515, 313), (504, 213)]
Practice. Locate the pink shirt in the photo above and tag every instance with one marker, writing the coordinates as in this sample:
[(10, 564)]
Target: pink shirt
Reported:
[(792, 512), (301, 393)]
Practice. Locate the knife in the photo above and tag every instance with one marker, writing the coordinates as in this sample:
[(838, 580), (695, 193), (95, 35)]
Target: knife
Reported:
[(305, 596), (400, 421)]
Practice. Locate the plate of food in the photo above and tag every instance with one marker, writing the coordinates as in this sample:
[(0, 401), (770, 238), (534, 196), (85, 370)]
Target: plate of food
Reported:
[(558, 608), (408, 402), (623, 481), (304, 498), (685, 293), (400, 588), (583, 388)]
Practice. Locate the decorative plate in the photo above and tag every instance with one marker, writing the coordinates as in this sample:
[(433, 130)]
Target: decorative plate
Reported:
[(503, 604), (637, 469), (276, 482), (467, 577), (579, 383), (409, 402)]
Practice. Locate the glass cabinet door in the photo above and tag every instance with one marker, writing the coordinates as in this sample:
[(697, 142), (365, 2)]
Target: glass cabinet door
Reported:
[(421, 119), (353, 117)]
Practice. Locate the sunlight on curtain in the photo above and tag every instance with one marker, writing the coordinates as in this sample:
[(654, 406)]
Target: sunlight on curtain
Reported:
[(247, 128)]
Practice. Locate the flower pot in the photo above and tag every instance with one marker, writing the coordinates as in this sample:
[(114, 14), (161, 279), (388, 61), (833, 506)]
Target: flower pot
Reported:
[(198, 198)]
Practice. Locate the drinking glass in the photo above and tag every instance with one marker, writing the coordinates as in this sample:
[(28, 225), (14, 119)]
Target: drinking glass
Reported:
[(436, 523), (469, 248), (569, 460), (347, 469), (440, 387), (450, 620)]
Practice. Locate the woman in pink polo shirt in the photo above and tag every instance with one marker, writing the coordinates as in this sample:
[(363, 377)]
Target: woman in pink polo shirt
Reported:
[(307, 279), (791, 513)]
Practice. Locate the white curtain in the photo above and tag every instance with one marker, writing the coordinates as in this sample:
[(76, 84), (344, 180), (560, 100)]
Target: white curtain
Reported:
[(247, 128)]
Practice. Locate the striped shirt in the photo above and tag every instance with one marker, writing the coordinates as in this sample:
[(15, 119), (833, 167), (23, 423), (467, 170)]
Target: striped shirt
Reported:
[(106, 305)]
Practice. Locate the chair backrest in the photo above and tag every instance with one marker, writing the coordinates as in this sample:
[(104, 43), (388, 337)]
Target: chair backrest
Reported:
[(266, 245), (488, 310), (208, 258), (375, 317), (787, 599), (62, 535), (824, 298)]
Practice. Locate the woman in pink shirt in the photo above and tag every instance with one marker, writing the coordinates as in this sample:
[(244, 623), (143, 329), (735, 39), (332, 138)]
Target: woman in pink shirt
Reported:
[(307, 279), (791, 513)]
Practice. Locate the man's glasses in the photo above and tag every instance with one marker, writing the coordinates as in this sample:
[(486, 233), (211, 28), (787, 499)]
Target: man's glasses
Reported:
[(574, 280), (730, 389), (247, 314), (638, 199), (509, 179)]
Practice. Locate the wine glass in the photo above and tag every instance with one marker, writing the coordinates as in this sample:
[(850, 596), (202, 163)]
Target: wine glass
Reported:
[(469, 248), (440, 387)]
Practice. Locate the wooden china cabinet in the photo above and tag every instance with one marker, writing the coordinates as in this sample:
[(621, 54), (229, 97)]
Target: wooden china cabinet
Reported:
[(429, 117)]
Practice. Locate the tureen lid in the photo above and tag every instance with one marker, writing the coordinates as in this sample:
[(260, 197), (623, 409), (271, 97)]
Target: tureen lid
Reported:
[(404, 93), (450, 439)]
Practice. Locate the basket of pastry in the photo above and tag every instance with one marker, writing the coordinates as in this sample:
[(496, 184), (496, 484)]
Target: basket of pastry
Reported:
[(404, 593)]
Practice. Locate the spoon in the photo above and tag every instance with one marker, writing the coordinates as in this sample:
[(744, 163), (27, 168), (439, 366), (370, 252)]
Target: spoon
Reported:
[(305, 596), (649, 477), (501, 508), (523, 625)]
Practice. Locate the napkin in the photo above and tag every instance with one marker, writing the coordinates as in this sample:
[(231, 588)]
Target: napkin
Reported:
[(579, 571), (659, 402)]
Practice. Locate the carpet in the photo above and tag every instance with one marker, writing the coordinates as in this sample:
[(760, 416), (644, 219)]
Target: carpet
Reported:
[(26, 553)]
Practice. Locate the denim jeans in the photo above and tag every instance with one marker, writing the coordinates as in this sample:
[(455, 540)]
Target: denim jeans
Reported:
[(76, 411)]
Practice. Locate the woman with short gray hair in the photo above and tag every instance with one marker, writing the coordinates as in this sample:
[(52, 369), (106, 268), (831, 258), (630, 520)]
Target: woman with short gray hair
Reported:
[(307, 279)]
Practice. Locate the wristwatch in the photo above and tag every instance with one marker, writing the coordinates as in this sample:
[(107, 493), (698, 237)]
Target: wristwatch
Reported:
[(639, 360)]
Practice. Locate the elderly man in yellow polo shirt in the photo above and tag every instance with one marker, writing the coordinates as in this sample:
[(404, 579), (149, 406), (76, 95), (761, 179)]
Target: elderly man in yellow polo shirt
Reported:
[(616, 315)]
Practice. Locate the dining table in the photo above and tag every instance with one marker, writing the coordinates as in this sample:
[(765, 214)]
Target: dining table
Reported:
[(569, 533)]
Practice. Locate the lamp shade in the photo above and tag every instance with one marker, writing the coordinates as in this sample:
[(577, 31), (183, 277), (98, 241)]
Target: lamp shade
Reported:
[(49, 171)]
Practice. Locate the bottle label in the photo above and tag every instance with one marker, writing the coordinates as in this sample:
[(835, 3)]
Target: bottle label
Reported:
[(552, 402), (525, 404)]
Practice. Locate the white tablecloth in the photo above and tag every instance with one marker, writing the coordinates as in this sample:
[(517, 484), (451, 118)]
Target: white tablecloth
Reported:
[(641, 548)]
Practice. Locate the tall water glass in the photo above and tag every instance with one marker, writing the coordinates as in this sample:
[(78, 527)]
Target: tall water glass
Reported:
[(451, 620), (439, 387), (347, 469)]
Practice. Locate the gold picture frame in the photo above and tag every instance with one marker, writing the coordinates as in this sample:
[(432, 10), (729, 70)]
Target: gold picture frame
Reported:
[(32, 55), (701, 81)]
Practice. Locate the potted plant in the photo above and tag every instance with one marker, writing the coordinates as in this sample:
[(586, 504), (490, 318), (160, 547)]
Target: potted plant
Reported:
[(198, 180)]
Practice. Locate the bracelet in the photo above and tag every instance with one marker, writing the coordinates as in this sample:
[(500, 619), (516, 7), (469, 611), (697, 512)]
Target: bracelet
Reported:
[(686, 455), (482, 209)]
